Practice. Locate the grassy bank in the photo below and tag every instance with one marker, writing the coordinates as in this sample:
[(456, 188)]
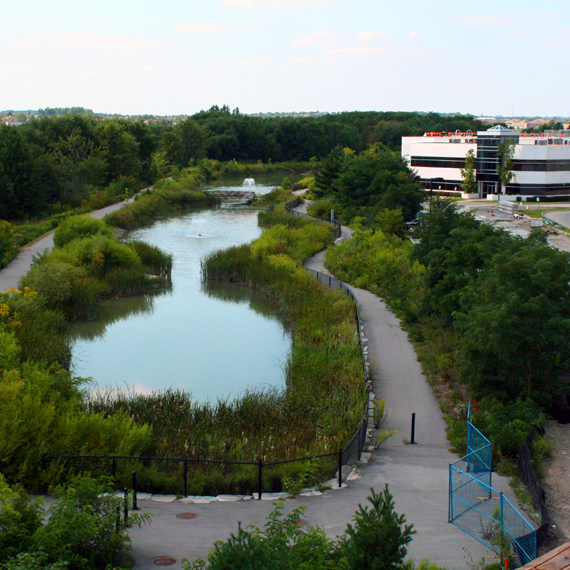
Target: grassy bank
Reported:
[(317, 412), (44, 409)]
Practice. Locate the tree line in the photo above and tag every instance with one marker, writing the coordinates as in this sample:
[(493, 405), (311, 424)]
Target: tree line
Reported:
[(53, 163)]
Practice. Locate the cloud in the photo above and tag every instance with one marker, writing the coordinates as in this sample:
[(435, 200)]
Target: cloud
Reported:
[(316, 37), (212, 28), (243, 63), (23, 44), (520, 34), (103, 43), (273, 4), (481, 20), (413, 35), (302, 61), (368, 36), (253, 63), (141, 70), (359, 50)]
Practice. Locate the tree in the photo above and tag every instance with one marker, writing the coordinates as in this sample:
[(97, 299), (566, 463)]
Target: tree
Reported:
[(79, 167), (186, 141), (468, 173), (379, 537), (391, 222), (505, 166), (119, 149), (515, 321), (21, 189)]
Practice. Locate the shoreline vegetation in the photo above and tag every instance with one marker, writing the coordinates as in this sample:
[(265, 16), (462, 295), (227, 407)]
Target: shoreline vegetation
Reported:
[(178, 191), (49, 412), (317, 412)]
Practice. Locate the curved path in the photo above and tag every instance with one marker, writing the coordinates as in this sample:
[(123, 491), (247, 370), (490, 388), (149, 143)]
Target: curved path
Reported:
[(10, 275), (417, 474)]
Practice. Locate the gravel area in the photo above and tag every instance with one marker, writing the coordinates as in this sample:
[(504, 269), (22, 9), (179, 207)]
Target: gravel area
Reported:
[(556, 480)]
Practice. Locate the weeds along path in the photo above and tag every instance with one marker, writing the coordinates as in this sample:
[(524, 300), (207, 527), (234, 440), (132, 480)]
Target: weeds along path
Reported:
[(11, 274)]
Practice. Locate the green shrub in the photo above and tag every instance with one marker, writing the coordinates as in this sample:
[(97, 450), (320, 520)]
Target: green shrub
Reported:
[(377, 541), (79, 227), (66, 287), (6, 237), (153, 258), (41, 333), (82, 526), (19, 519)]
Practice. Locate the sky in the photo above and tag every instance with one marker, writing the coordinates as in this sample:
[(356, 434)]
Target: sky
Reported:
[(171, 57)]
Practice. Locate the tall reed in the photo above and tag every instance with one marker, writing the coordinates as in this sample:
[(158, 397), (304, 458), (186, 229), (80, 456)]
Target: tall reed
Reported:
[(321, 406)]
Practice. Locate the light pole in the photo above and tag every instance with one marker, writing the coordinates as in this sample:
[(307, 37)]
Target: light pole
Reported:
[(432, 180)]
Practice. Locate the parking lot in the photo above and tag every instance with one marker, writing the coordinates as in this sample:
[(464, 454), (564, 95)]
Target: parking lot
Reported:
[(487, 211)]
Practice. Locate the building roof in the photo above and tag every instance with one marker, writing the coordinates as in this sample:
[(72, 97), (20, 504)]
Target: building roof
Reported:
[(499, 129), (557, 559)]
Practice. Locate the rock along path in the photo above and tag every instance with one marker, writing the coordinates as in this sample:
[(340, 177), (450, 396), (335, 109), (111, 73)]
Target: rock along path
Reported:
[(417, 475)]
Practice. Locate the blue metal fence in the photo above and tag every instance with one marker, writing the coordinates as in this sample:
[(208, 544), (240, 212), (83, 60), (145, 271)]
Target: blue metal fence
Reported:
[(482, 511)]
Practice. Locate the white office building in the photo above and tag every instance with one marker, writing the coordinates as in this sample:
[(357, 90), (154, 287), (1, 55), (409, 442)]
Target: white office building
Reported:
[(541, 163)]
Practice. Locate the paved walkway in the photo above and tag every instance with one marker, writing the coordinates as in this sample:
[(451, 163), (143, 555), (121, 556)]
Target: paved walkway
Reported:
[(417, 474), (10, 275)]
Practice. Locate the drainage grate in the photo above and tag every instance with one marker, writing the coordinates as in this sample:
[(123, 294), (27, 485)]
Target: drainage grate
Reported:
[(186, 516), (164, 561)]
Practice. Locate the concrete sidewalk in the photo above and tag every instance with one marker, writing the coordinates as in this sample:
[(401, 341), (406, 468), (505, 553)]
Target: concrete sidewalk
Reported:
[(417, 475)]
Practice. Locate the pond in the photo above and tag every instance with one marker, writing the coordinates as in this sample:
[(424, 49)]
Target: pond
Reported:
[(213, 341)]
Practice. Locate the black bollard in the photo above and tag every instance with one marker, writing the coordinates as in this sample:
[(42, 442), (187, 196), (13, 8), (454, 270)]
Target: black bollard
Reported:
[(135, 506), (126, 506), (413, 428)]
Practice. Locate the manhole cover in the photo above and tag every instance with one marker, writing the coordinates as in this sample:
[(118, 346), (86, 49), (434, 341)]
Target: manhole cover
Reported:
[(164, 561), (186, 516), (302, 522)]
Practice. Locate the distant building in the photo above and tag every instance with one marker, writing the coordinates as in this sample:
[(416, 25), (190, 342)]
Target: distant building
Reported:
[(541, 163)]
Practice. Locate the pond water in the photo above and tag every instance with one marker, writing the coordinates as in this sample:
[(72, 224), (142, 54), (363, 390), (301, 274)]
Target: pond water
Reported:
[(213, 342)]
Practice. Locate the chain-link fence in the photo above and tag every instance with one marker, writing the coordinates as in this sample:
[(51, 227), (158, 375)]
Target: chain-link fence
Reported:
[(482, 511)]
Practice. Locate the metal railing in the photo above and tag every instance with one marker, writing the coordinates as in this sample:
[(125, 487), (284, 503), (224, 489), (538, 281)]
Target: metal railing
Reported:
[(345, 457), (290, 207)]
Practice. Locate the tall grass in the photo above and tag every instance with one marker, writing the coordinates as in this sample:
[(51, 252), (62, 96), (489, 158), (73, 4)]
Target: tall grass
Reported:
[(322, 403), (164, 199)]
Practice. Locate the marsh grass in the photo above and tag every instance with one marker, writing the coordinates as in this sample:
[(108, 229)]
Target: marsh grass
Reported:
[(318, 411), (167, 197)]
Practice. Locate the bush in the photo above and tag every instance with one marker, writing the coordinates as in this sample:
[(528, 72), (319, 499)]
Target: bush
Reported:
[(6, 238), (66, 287), (82, 528), (79, 227), (41, 333), (376, 542)]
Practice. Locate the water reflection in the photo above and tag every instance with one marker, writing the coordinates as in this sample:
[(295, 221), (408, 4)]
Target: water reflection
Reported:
[(212, 341)]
